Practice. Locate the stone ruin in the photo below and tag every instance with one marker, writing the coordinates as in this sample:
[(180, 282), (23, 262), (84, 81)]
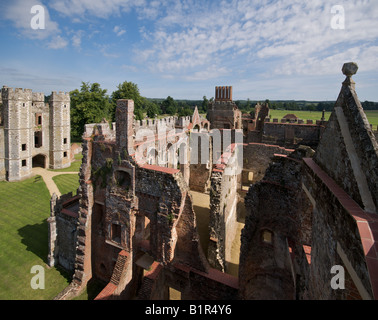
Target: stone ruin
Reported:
[(310, 199)]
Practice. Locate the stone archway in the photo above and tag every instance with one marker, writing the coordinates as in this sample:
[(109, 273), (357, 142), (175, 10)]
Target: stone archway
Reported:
[(39, 161)]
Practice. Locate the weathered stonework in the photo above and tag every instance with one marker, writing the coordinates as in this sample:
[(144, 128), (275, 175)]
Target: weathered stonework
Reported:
[(33, 133), (311, 204)]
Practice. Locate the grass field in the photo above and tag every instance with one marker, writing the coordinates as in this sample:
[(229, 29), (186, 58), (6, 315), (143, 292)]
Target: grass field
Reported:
[(25, 206), (372, 115), (67, 183)]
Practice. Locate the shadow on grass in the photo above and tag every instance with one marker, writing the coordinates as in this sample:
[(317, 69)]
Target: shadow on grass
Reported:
[(35, 238)]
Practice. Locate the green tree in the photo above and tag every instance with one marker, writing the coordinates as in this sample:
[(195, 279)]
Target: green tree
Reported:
[(152, 109), (89, 105), (128, 90), (169, 106), (204, 105)]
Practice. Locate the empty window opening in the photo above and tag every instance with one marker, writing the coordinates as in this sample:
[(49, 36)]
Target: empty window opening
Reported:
[(39, 120), (65, 154), (267, 236), (23, 147), (65, 141), (116, 233), (38, 139), (123, 179), (24, 163)]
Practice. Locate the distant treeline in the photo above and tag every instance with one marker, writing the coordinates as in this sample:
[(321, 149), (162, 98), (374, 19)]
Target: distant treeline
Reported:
[(248, 105)]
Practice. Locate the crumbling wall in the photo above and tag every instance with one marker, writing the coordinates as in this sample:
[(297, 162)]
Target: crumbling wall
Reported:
[(335, 233), (291, 135), (62, 226), (201, 160), (225, 181), (256, 159), (271, 254)]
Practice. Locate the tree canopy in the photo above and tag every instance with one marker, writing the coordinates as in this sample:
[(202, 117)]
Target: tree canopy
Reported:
[(89, 105)]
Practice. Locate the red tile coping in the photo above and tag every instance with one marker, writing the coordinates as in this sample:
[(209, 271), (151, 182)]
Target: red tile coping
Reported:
[(160, 169), (367, 223), (107, 292)]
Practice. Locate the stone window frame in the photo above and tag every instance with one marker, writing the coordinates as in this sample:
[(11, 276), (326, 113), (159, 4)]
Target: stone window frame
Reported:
[(116, 238), (24, 147), (24, 163)]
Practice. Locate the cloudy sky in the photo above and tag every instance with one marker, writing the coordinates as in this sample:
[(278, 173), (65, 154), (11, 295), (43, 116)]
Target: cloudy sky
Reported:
[(276, 49)]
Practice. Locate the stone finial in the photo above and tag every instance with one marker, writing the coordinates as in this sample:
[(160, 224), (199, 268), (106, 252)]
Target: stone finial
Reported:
[(350, 69)]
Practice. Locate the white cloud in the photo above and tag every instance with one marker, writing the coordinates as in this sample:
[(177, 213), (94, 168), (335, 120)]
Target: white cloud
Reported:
[(76, 39), (295, 37), (19, 13), (96, 8), (57, 43), (119, 31)]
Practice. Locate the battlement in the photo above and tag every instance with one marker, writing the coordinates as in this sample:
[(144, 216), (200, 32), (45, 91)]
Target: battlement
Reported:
[(60, 96), (38, 97), (168, 122), (8, 93)]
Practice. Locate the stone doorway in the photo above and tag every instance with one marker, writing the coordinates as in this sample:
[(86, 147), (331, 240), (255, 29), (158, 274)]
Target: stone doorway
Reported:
[(39, 161)]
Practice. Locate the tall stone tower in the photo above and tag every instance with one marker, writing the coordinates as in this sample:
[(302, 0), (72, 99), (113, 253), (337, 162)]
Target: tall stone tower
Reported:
[(223, 113), (33, 133), (17, 105), (60, 130)]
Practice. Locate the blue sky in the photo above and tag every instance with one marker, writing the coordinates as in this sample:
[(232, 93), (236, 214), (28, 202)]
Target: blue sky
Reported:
[(277, 49)]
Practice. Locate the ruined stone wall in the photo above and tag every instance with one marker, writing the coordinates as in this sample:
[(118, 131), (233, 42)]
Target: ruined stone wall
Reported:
[(201, 160), (290, 135), (275, 231), (224, 115), (354, 164), (256, 159), (62, 225), (224, 198), (330, 241)]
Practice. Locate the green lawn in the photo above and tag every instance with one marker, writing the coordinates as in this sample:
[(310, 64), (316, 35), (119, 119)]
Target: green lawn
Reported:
[(372, 115), (67, 183), (25, 206), (75, 166)]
